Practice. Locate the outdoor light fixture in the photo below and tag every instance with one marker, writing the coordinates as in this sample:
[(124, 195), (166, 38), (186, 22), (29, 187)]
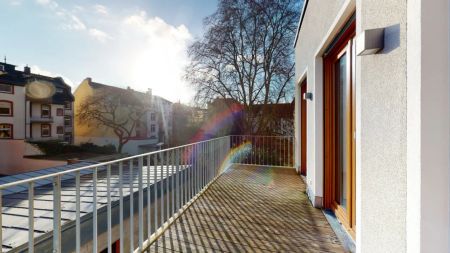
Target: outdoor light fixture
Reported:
[(308, 95), (370, 42)]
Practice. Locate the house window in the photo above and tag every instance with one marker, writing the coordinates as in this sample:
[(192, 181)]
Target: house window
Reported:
[(60, 112), (59, 90), (153, 128), (68, 138), (67, 121), (5, 88), (6, 131), (68, 106), (6, 108), (45, 111), (60, 130), (152, 116), (46, 130)]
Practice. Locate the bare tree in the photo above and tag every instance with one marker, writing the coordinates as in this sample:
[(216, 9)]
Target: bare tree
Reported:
[(246, 55), (121, 112)]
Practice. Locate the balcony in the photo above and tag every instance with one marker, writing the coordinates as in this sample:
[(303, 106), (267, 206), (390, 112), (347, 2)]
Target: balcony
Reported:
[(39, 119), (234, 193)]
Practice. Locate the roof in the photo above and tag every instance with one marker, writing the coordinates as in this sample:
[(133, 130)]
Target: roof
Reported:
[(20, 78), (302, 15)]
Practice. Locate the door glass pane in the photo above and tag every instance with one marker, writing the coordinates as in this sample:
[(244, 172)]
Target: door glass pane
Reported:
[(342, 128)]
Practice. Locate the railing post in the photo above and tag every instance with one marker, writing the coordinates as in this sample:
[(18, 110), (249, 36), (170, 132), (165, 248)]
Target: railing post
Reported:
[(77, 212), (57, 214), (108, 210), (94, 212), (30, 217), (149, 224), (131, 216), (121, 237), (140, 203)]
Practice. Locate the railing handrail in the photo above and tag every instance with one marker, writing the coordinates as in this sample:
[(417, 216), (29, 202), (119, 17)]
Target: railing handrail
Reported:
[(93, 166)]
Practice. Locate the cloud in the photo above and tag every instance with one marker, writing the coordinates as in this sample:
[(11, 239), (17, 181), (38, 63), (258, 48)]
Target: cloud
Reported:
[(160, 55), (15, 2), (99, 35), (73, 22), (101, 9)]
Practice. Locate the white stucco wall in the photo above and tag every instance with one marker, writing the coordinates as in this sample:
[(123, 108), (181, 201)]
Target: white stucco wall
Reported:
[(428, 151), (18, 121), (381, 131), (381, 90)]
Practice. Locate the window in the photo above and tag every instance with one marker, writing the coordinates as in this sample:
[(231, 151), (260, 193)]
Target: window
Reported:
[(60, 112), (68, 138), (45, 111), (59, 90), (6, 108), (68, 106), (6, 131), (46, 130), (153, 128), (67, 121), (60, 130), (152, 116), (6, 88)]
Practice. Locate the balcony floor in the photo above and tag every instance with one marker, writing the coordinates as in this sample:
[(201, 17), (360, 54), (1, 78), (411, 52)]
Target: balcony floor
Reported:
[(251, 209)]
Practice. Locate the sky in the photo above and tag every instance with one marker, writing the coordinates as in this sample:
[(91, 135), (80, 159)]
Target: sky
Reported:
[(137, 43)]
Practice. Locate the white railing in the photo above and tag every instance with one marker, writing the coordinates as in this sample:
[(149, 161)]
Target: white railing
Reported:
[(150, 189)]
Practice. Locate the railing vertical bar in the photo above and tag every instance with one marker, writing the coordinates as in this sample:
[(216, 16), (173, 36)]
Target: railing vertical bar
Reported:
[(1, 220), (57, 214), (108, 210), (172, 179), (77, 213), (161, 189), (178, 181), (140, 203), (155, 189), (168, 177), (121, 237), (94, 211), (149, 224), (131, 216), (31, 216)]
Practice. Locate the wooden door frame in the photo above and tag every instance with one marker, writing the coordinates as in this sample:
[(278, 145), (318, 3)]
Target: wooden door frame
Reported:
[(343, 43), (303, 128)]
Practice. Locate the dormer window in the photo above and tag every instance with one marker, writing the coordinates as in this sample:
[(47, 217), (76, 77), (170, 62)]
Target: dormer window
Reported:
[(2, 68), (59, 90)]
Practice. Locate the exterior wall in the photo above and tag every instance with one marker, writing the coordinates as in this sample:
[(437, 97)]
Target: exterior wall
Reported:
[(36, 126), (428, 133), (381, 91), (381, 135), (13, 162), (316, 31), (18, 119)]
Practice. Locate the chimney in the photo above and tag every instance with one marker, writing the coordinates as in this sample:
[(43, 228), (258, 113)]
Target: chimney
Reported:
[(149, 92), (27, 70)]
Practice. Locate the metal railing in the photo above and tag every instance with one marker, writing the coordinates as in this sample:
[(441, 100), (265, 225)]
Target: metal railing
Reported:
[(264, 150), (150, 189)]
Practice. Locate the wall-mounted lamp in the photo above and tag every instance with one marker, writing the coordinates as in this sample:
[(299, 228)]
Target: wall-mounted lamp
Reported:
[(308, 96), (370, 42)]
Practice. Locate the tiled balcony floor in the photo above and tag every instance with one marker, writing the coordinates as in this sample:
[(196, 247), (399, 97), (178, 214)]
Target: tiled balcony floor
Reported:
[(251, 209)]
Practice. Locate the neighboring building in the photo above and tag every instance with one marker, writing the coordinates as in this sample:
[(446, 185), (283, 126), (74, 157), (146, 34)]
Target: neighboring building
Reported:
[(152, 129), (187, 123), (372, 136), (32, 108)]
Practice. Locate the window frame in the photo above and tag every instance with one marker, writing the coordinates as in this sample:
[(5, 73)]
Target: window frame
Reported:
[(59, 111), (70, 120), (49, 130), (11, 112), (11, 129), (68, 106), (59, 128), (5, 92), (49, 111)]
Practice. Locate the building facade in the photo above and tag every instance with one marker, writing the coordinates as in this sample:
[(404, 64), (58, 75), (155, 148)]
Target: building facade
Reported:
[(372, 119), (150, 130)]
